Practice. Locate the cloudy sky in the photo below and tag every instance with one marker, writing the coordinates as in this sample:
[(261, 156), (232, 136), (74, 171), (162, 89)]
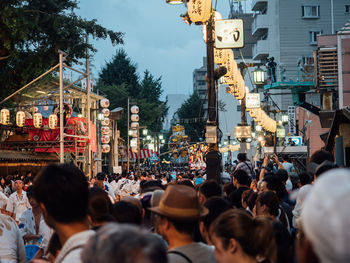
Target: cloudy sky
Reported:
[(155, 38)]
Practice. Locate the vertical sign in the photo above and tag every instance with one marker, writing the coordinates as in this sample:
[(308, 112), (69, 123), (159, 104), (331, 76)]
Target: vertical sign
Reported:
[(292, 124)]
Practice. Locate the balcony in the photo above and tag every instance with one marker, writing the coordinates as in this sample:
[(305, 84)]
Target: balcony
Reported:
[(259, 5), (261, 50), (260, 25)]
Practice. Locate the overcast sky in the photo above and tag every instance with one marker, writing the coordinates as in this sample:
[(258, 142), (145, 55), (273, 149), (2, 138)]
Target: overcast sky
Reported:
[(155, 38)]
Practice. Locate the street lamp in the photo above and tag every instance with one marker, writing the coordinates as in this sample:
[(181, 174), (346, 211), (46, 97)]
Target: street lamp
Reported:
[(144, 132), (259, 76), (243, 133), (284, 118), (100, 116)]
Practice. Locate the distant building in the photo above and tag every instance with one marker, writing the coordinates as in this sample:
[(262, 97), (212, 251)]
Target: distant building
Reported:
[(174, 103), (200, 84), (333, 84)]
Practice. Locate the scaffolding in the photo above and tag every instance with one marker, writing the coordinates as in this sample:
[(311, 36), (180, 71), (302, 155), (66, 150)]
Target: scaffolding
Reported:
[(54, 90)]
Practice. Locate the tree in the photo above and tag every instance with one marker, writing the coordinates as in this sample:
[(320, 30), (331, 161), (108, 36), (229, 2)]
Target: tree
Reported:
[(121, 70), (31, 33), (150, 93), (120, 76), (191, 116)]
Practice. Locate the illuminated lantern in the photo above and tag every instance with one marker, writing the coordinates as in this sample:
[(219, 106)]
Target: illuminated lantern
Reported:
[(219, 56), (134, 125), (105, 130), (20, 118), (199, 11), (228, 63), (105, 139), (53, 121), (104, 103), (105, 122), (134, 134), (5, 116), (106, 148), (106, 112), (37, 120), (135, 117), (134, 109)]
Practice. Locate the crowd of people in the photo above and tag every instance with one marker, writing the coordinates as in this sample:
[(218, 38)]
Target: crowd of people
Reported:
[(269, 213)]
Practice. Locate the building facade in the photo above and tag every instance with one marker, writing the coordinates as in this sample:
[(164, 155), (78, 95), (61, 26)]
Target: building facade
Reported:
[(200, 84), (288, 30)]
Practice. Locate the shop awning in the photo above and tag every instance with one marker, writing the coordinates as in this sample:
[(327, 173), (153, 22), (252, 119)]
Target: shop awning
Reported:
[(145, 153)]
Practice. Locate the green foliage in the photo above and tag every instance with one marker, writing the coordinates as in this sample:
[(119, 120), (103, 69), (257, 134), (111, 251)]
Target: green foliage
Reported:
[(120, 70), (31, 33), (119, 81), (192, 108)]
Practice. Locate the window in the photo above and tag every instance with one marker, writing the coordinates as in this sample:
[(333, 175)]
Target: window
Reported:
[(313, 37), (347, 9), (308, 60), (310, 11), (239, 107)]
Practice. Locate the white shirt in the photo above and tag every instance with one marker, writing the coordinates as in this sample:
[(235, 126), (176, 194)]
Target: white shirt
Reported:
[(11, 241), (27, 226), (71, 250), (3, 200), (17, 204)]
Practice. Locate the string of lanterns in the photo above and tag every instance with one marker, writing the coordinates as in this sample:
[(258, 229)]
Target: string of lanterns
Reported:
[(21, 117), (105, 130), (134, 126), (236, 86)]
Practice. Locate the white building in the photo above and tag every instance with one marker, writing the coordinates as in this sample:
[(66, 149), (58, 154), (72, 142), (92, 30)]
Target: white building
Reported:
[(288, 30)]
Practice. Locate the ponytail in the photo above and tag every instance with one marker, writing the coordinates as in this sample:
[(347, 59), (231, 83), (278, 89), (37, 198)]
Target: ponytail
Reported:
[(264, 240)]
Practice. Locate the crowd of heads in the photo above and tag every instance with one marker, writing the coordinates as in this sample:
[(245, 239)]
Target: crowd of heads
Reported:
[(270, 214)]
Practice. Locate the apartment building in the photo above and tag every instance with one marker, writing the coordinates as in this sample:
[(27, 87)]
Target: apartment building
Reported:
[(200, 84), (288, 30)]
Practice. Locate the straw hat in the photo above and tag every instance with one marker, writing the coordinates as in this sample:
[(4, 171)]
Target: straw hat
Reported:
[(180, 202)]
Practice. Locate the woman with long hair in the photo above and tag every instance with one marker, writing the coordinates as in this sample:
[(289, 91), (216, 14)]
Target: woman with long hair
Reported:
[(238, 237)]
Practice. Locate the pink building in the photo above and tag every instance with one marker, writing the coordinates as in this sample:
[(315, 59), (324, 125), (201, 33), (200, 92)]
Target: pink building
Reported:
[(332, 81)]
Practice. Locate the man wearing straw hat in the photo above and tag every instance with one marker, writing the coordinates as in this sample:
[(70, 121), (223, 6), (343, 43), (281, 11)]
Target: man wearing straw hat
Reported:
[(178, 213)]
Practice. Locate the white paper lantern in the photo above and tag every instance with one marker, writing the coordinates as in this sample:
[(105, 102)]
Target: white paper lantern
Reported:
[(37, 120), (20, 118), (134, 109), (135, 117), (133, 142), (104, 103), (134, 125), (106, 112), (105, 121), (106, 148), (53, 121), (134, 134), (5, 117), (105, 139), (229, 63), (199, 11), (219, 55), (105, 130)]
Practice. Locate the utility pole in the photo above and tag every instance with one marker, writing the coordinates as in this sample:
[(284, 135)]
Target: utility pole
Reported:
[(61, 109), (128, 167), (88, 106), (213, 158)]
